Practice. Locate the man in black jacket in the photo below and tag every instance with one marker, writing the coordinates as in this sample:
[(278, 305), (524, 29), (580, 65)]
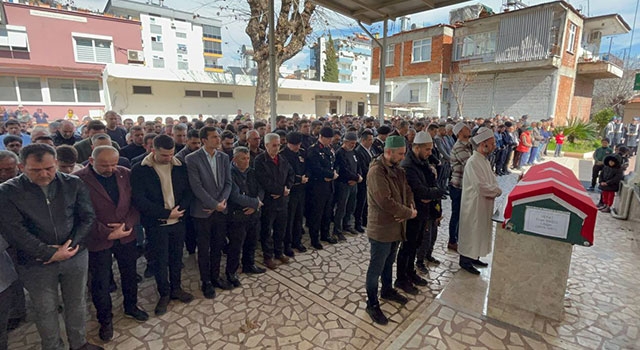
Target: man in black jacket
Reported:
[(46, 215), (276, 178), (245, 201), (364, 155), (161, 193), (66, 134), (136, 147), (293, 154), (425, 192), (346, 186)]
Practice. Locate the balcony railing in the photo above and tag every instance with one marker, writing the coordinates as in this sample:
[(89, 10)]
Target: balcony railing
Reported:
[(605, 57)]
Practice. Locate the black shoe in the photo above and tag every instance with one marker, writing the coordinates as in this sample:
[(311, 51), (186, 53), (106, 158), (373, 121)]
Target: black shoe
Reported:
[(112, 286), (233, 279), (359, 229), (161, 307), (329, 240), (289, 252), (148, 272), (181, 295), (422, 268), (352, 231), (14, 323), (139, 278), (477, 262), (433, 260), (376, 315), (418, 281), (317, 246), (407, 287), (301, 248), (106, 331), (253, 270), (469, 268), (393, 295), (137, 314), (341, 236), (222, 284), (208, 291)]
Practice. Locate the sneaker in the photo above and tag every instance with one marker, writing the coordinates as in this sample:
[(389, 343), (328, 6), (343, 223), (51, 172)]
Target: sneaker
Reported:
[(341, 236), (106, 332), (377, 315), (407, 287), (393, 295), (137, 314), (208, 291), (181, 295), (161, 307)]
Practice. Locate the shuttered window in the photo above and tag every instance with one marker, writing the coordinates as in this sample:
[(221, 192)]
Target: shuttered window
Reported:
[(93, 50)]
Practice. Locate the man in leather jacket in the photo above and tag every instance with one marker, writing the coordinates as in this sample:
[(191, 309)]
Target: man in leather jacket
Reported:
[(46, 216)]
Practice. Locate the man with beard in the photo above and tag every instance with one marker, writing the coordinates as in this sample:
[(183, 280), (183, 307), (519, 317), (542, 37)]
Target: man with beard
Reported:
[(66, 134)]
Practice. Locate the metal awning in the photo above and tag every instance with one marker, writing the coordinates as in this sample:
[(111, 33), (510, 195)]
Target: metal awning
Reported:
[(372, 11)]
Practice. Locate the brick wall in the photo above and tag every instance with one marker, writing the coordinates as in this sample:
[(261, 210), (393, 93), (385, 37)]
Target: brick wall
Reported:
[(441, 47), (569, 59), (565, 92), (581, 102)]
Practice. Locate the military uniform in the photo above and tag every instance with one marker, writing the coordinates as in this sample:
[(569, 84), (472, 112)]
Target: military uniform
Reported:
[(320, 164), (293, 232)]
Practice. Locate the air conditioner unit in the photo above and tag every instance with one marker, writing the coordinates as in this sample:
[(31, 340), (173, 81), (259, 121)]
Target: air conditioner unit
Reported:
[(595, 36), (135, 56)]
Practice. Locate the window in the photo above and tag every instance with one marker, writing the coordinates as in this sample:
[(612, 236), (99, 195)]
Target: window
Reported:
[(390, 55), (155, 29), (209, 94), (348, 107), (192, 93), (88, 90), (156, 43), (387, 93), (226, 94), (421, 50), (212, 47), (30, 89), (211, 63), (211, 32), (158, 62), (62, 90), (289, 97), (571, 48), (182, 48), (414, 95), (181, 35), (8, 89), (68, 90), (93, 50), (183, 65), (14, 38), (475, 45), (141, 90)]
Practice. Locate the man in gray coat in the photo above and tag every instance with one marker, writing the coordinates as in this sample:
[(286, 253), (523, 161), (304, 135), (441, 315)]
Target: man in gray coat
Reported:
[(210, 179)]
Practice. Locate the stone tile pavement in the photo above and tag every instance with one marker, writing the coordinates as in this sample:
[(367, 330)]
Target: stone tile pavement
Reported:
[(318, 301)]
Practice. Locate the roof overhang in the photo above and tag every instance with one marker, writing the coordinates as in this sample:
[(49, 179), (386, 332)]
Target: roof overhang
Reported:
[(607, 24), (372, 11)]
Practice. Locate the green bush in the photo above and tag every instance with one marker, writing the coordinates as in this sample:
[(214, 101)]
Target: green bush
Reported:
[(603, 117), (579, 130)]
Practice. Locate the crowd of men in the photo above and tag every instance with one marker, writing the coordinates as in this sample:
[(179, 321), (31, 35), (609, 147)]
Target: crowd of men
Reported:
[(75, 196)]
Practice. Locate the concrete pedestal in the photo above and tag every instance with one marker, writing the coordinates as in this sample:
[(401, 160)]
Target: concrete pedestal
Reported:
[(528, 273)]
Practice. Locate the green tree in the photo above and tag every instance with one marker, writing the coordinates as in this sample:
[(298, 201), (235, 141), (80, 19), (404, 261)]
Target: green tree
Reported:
[(603, 117), (331, 63)]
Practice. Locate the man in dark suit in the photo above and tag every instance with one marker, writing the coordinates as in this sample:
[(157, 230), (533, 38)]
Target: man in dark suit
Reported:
[(210, 180), (110, 191), (294, 155), (276, 178), (364, 155), (346, 186), (161, 193)]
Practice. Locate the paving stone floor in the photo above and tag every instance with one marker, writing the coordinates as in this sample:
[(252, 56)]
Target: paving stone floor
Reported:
[(318, 300)]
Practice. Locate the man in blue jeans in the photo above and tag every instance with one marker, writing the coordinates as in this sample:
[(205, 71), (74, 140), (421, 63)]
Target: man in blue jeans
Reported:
[(460, 153), (46, 216), (391, 204)]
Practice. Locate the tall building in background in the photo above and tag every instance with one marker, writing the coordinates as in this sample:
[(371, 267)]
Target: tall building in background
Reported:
[(171, 38), (354, 58)]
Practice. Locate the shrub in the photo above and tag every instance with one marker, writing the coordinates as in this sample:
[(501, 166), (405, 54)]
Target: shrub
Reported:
[(603, 117), (579, 130)]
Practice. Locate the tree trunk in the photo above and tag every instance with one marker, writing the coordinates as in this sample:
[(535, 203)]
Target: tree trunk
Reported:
[(262, 101)]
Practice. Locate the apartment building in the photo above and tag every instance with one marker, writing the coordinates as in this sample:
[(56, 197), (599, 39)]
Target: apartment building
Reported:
[(354, 58), (53, 58), (171, 38)]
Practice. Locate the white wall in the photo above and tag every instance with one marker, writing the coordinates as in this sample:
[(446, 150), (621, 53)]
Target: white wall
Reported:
[(168, 99), (193, 41)]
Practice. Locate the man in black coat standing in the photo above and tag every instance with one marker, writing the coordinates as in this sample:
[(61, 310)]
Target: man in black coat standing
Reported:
[(293, 154), (364, 155), (346, 186), (425, 192), (276, 178)]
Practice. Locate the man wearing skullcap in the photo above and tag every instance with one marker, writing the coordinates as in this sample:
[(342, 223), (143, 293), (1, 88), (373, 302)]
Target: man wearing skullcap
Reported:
[(479, 190), (390, 203)]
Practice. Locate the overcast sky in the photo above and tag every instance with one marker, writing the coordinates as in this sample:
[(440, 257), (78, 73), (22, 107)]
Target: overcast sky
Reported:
[(233, 29)]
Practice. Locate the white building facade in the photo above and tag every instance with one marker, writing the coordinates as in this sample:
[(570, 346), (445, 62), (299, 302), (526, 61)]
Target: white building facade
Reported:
[(354, 58)]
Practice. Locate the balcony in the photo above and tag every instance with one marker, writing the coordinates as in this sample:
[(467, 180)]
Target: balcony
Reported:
[(605, 66)]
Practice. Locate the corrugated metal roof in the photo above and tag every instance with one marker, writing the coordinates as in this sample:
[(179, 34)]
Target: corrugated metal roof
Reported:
[(371, 11)]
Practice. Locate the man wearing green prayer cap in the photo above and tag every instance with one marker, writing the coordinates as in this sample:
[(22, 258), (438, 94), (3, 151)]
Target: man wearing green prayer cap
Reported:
[(390, 203)]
